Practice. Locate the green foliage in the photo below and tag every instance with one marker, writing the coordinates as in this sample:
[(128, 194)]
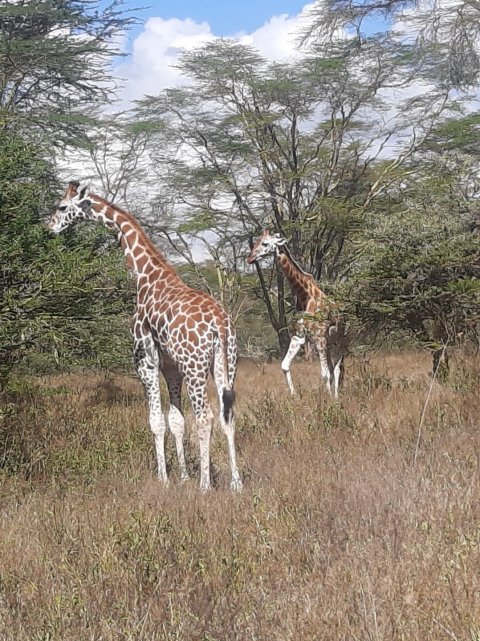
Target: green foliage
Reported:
[(54, 58), (442, 37), (63, 301), (425, 287), (64, 298), (264, 144), (461, 134)]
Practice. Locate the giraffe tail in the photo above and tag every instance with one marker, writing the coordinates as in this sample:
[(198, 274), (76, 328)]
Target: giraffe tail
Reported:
[(228, 401), (228, 370)]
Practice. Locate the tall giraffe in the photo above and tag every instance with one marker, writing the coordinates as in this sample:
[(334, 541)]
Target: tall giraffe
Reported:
[(316, 324), (182, 332)]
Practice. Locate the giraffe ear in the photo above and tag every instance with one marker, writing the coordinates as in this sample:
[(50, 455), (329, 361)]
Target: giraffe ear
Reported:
[(72, 188), (83, 191)]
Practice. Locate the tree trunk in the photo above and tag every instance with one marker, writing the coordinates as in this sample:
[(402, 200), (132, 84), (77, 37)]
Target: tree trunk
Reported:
[(283, 340)]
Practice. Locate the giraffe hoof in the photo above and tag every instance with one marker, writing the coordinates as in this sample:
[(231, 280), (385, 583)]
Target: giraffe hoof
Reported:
[(184, 477), (236, 485), (205, 487)]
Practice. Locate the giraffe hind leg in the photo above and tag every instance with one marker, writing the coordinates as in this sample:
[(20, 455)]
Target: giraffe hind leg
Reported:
[(176, 420), (326, 367), (338, 375), (338, 340), (295, 344), (197, 392), (226, 399)]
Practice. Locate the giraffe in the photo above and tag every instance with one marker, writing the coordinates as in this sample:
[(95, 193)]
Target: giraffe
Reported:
[(183, 333), (316, 324)]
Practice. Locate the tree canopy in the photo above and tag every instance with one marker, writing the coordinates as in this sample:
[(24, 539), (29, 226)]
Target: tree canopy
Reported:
[(60, 301), (362, 150)]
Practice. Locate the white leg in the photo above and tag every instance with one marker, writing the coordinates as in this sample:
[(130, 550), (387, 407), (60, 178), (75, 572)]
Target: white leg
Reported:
[(295, 343), (325, 369), (147, 366), (204, 425), (176, 422), (338, 372), (226, 400), (229, 428), (326, 366), (337, 339)]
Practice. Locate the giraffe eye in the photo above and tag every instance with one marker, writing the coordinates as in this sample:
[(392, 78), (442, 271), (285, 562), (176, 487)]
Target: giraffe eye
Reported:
[(62, 208)]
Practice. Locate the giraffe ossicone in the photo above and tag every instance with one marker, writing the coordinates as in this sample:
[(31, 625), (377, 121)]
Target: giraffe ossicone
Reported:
[(314, 323), (183, 333)]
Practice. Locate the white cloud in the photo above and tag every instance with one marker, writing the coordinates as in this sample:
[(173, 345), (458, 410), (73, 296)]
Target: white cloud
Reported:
[(277, 38), (155, 52), (151, 65)]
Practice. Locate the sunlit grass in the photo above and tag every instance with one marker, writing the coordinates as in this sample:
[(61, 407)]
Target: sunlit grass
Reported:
[(338, 534)]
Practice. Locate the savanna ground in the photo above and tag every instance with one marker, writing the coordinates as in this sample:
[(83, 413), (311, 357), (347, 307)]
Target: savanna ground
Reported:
[(346, 530)]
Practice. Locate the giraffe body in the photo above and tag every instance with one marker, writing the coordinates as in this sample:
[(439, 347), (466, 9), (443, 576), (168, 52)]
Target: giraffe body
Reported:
[(315, 313), (183, 333)]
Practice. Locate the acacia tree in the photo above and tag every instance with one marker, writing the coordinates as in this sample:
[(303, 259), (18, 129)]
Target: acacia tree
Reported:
[(297, 146), (62, 300), (57, 298), (54, 65), (421, 278), (421, 283), (442, 37), (115, 151)]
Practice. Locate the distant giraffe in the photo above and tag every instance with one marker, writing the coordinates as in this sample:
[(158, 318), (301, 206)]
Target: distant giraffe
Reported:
[(315, 324), (182, 332)]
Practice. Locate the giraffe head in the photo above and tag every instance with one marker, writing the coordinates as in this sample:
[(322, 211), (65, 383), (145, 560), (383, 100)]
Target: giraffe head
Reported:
[(266, 244), (74, 206)]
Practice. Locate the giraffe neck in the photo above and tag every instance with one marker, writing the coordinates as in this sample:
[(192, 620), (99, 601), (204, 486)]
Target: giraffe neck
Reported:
[(308, 294), (295, 275), (141, 254)]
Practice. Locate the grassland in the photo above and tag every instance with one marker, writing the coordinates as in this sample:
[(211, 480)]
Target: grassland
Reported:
[(357, 521)]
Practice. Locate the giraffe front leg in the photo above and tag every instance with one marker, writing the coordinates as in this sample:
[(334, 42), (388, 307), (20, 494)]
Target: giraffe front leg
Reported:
[(147, 366), (295, 344)]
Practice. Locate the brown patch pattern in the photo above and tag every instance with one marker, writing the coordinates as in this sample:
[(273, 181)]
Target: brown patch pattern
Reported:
[(317, 325), (184, 333)]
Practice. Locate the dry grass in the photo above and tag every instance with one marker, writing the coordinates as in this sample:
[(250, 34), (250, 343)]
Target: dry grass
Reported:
[(337, 535)]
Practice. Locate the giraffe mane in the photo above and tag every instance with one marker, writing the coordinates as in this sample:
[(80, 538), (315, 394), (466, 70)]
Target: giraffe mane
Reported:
[(287, 251), (146, 241)]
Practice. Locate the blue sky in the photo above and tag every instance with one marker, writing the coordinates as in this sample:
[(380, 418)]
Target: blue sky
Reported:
[(225, 17), (168, 27)]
